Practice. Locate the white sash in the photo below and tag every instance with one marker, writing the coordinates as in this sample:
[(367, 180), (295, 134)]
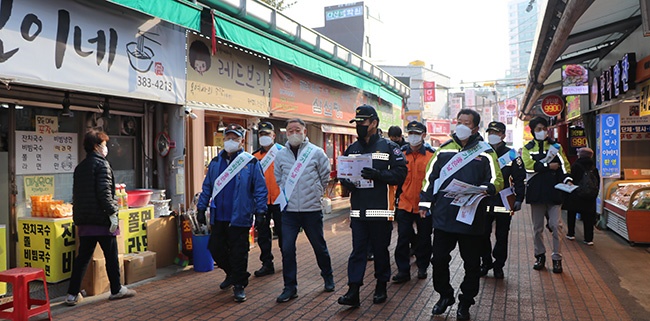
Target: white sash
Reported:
[(507, 158), (231, 171), (268, 159), (459, 161), (294, 174)]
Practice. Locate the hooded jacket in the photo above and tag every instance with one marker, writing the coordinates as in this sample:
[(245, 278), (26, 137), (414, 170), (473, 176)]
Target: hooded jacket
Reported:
[(540, 188)]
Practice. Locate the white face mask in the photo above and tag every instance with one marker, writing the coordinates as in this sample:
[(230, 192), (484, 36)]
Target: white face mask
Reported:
[(104, 150), (494, 139), (463, 132), (296, 139), (266, 140), (540, 135), (231, 146), (414, 139)]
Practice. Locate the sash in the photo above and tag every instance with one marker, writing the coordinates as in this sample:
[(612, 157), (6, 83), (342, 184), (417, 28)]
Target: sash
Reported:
[(459, 161), (294, 174), (507, 158), (231, 171), (268, 159)]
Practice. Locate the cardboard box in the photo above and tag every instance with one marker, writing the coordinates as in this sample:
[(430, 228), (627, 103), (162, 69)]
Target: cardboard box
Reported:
[(95, 281), (162, 238), (99, 253), (139, 266)]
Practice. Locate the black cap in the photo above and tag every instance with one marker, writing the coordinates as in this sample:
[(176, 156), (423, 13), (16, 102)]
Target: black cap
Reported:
[(364, 112), (497, 126), (265, 127), (235, 129), (416, 126)]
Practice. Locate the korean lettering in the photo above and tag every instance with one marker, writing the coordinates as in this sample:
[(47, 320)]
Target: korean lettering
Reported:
[(134, 222), (66, 262), (68, 234)]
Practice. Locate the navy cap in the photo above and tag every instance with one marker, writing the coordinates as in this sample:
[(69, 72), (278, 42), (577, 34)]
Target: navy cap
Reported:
[(265, 127), (497, 126), (416, 126), (364, 112), (235, 129)]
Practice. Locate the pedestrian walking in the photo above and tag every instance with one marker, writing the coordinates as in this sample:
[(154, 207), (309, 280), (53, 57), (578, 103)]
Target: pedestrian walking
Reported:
[(302, 171), (546, 165), (235, 190), (498, 217), (583, 169), (468, 159), (371, 211), (94, 212), (395, 134)]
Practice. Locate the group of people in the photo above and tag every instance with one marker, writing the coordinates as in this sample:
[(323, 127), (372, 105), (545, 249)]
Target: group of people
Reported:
[(410, 184)]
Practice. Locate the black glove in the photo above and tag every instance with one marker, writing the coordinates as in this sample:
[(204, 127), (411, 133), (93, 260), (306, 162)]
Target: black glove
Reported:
[(347, 184), (491, 190), (516, 206), (260, 218), (200, 217), (370, 173)]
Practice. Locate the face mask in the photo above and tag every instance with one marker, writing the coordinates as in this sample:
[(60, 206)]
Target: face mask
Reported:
[(494, 139), (104, 150), (463, 132), (296, 139), (231, 146), (414, 140), (540, 135), (362, 131), (266, 140)]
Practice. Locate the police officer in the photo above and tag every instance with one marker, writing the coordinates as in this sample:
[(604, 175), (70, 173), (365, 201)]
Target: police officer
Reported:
[(513, 170), (371, 211)]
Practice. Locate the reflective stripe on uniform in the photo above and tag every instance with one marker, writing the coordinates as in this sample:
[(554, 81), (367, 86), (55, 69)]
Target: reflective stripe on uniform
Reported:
[(373, 213)]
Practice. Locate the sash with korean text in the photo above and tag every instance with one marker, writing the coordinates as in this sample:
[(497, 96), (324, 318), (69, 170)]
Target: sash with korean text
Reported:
[(459, 161), (231, 171), (294, 174)]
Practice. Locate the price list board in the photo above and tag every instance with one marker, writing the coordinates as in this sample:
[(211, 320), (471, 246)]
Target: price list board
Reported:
[(46, 153)]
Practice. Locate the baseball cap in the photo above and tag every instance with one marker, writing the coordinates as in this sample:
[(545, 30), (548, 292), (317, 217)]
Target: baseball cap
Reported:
[(265, 127), (497, 126), (416, 126), (235, 129), (364, 112)]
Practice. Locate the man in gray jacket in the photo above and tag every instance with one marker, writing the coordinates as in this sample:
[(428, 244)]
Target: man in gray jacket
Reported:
[(302, 171)]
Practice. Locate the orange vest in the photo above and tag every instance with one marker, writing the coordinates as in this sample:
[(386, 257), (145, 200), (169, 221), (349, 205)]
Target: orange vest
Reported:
[(417, 166), (269, 176)]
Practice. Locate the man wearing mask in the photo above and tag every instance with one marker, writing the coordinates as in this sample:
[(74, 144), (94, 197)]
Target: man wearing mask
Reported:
[(371, 210), (234, 189), (302, 171), (513, 172), (466, 158), (266, 155), (395, 134), (546, 165), (417, 155)]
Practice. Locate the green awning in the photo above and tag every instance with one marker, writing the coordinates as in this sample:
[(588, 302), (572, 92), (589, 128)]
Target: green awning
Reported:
[(178, 12)]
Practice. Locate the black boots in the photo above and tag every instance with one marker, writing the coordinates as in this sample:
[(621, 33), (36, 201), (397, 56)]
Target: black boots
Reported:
[(462, 313), (240, 295), (380, 293), (557, 266), (441, 306), (540, 262), (351, 298)]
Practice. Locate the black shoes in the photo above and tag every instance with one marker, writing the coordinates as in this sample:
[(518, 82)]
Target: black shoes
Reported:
[(329, 283), (380, 293), (401, 277), (485, 268), (540, 262), (351, 298), (422, 273), (557, 266), (287, 294), (265, 270), (238, 290), (441, 306), (498, 273), (227, 283), (463, 311)]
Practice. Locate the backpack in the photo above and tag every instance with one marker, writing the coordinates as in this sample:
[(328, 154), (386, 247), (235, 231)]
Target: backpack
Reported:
[(589, 185)]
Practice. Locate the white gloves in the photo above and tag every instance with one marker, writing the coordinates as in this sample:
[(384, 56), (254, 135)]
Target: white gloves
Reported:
[(114, 223)]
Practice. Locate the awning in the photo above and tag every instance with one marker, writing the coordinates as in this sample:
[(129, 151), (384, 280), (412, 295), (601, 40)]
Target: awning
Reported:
[(339, 130), (182, 13), (227, 109)]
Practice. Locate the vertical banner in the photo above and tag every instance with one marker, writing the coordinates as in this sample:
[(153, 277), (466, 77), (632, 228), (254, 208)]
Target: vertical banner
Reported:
[(429, 91), (49, 244), (608, 145), (644, 99), (135, 222)]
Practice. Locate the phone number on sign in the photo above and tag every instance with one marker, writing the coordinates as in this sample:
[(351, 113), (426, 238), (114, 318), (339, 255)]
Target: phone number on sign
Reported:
[(151, 83)]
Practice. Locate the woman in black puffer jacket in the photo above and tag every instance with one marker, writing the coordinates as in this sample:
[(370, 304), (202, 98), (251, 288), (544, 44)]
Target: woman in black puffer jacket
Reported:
[(574, 204)]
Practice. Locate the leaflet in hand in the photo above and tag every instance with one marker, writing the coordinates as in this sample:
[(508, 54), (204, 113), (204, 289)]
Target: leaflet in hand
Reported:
[(349, 167), (459, 187), (566, 187), (550, 154), (467, 212)]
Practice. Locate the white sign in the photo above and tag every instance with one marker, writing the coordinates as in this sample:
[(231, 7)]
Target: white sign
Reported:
[(70, 45), (45, 153), (47, 124)]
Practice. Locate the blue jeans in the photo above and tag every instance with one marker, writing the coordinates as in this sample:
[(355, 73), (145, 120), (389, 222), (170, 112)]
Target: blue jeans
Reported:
[(312, 224)]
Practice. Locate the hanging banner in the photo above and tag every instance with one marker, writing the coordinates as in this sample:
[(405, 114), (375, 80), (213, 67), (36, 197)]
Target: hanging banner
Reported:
[(572, 107), (608, 145), (67, 44), (644, 99)]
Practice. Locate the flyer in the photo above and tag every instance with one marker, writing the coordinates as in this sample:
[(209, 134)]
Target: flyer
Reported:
[(349, 167)]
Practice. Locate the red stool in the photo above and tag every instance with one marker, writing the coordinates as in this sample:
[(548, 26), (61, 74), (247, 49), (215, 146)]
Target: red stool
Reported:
[(22, 303)]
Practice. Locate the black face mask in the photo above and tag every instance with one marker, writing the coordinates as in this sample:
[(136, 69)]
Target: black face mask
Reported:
[(362, 131)]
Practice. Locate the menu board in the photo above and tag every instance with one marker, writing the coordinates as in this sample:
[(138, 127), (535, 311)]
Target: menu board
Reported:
[(41, 153)]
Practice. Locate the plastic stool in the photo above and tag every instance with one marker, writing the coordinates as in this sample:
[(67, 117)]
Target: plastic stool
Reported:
[(22, 303)]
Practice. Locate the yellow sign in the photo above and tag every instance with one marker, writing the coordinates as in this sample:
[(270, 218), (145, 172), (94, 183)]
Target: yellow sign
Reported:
[(3, 256), (47, 124), (644, 99), (38, 185), (47, 243), (135, 222)]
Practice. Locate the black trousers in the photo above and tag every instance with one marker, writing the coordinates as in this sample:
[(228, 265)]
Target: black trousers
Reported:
[(502, 230), (264, 235), (365, 232), (588, 221), (405, 236), (443, 244), (87, 246), (229, 247)]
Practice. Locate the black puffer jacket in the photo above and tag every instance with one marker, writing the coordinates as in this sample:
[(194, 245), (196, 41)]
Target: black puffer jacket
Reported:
[(93, 191), (578, 169)]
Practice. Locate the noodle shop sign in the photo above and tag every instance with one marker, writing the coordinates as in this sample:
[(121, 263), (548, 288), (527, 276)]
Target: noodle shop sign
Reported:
[(552, 105)]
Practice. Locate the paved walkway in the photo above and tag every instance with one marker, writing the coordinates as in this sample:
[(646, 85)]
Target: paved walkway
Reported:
[(591, 288)]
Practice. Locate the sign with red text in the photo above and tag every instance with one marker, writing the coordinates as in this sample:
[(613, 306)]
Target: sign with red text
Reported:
[(552, 105), (47, 124), (429, 91), (438, 127), (45, 153)]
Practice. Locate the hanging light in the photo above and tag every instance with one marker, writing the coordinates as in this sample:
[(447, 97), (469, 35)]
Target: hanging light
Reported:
[(221, 127), (66, 106), (106, 113)]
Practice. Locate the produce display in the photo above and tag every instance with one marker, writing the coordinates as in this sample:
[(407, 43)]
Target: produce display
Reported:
[(622, 194), (45, 206)]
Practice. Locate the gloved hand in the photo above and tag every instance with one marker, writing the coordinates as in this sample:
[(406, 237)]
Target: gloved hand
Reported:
[(516, 206), (347, 184), (114, 223), (200, 217), (370, 173), (260, 218)]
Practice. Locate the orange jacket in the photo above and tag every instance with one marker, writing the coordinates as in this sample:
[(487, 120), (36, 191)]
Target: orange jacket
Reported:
[(417, 165), (269, 176)]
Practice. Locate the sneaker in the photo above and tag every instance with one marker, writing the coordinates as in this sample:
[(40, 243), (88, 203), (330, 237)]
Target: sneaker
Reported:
[(589, 243), (570, 237), (124, 293), (72, 300)]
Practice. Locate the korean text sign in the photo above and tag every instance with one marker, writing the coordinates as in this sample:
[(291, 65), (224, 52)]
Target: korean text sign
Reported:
[(49, 244), (45, 153), (135, 222), (608, 144)]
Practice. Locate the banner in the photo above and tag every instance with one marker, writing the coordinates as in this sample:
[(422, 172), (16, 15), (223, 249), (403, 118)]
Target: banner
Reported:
[(438, 127), (608, 145), (429, 91), (68, 44)]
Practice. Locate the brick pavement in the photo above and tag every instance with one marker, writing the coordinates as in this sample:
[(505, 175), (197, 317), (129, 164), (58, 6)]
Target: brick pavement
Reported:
[(577, 294)]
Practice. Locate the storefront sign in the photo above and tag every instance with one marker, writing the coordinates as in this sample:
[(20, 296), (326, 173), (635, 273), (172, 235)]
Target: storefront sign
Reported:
[(644, 99), (429, 91), (45, 153), (47, 124), (38, 185), (577, 137), (231, 77), (438, 127), (573, 107), (552, 105), (634, 126), (628, 72), (295, 94), (643, 69), (608, 144), (68, 44), (615, 80), (575, 80), (135, 234), (594, 94), (47, 243)]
